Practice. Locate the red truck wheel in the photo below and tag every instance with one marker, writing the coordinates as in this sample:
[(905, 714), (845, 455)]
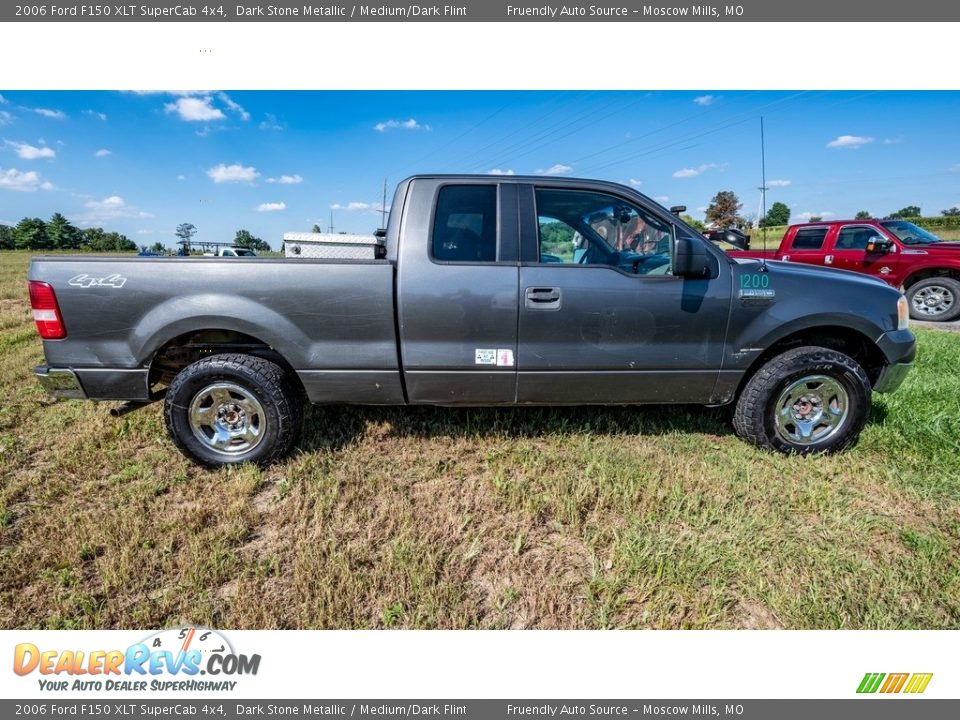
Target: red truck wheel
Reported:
[(936, 298), (807, 400), (233, 408)]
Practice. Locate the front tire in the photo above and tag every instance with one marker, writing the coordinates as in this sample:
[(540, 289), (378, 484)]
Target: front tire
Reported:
[(807, 400), (936, 299), (233, 408)]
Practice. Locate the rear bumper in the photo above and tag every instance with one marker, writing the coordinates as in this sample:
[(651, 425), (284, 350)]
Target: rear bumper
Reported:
[(60, 383)]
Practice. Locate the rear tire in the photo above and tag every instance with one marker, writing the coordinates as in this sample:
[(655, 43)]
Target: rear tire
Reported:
[(233, 408), (936, 299), (807, 400)]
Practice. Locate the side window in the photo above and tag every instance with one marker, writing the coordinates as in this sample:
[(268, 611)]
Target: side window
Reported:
[(809, 238), (465, 224), (855, 238), (587, 228)]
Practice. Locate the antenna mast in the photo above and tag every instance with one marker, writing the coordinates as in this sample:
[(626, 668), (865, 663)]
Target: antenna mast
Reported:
[(383, 205), (763, 195)]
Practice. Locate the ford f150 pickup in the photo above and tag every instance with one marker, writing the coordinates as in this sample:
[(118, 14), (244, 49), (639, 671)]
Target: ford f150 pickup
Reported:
[(492, 291), (895, 251)]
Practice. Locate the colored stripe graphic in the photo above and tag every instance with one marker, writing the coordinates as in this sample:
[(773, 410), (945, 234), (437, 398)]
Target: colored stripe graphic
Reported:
[(918, 683), (894, 683), (870, 682)]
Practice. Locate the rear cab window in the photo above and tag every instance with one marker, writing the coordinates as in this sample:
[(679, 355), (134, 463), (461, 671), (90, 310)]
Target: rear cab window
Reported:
[(809, 238), (465, 224)]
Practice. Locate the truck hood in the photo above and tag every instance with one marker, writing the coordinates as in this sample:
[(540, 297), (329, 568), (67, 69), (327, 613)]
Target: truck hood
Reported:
[(938, 249), (815, 273)]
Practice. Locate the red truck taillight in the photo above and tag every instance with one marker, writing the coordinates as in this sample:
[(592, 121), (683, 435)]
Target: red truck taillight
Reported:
[(46, 312)]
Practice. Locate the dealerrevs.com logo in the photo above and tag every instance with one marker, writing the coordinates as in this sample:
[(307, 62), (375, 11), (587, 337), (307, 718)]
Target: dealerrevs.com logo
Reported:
[(171, 660)]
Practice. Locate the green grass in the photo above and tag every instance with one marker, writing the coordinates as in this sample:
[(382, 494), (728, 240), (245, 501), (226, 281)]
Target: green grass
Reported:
[(439, 518)]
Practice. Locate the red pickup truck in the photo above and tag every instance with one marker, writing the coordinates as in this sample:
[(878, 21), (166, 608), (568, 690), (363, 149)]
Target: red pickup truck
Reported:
[(898, 252)]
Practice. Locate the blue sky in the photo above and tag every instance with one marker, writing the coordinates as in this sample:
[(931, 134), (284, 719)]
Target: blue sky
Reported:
[(273, 161)]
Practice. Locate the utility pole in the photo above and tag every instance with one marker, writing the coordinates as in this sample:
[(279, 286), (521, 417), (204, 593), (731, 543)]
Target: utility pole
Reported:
[(330, 228), (383, 205)]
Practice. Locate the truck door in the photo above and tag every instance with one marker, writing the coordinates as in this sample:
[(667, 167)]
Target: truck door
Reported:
[(602, 318), (807, 245), (457, 292), (850, 253)]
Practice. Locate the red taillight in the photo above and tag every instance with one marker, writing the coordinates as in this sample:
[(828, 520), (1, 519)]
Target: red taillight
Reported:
[(46, 312)]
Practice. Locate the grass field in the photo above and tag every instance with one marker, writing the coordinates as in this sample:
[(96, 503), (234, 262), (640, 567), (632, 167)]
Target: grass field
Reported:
[(435, 518)]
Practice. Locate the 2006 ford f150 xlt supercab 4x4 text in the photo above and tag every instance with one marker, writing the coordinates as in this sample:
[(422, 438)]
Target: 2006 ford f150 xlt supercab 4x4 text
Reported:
[(492, 291)]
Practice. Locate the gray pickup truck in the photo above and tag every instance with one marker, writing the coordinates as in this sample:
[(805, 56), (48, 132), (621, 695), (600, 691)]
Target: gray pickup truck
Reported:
[(490, 291)]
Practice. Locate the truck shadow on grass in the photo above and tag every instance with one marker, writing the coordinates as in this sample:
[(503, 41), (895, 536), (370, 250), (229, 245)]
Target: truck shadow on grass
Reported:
[(335, 427)]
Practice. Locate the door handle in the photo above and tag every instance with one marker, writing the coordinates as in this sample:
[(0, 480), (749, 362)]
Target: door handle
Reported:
[(542, 298)]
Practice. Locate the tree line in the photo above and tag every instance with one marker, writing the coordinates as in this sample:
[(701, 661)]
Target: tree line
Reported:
[(60, 234), (724, 212)]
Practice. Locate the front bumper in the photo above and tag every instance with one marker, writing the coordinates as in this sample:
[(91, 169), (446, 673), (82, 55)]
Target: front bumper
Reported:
[(891, 377), (60, 383)]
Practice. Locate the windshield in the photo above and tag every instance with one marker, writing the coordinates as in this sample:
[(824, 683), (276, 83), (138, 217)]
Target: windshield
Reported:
[(910, 234), (244, 253)]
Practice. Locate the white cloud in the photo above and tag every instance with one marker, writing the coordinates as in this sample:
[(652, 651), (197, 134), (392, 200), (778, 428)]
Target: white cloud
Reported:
[(234, 106), (893, 140), (351, 206), (410, 124), (850, 142), (662, 198), (3, 100), (699, 170), (29, 152), (271, 123), (232, 173), (954, 168), (702, 208), (55, 114), (94, 113), (705, 100), (144, 232), (779, 183), (271, 207), (499, 171), (110, 208), (102, 152), (181, 177), (183, 93), (635, 183), (195, 109), (286, 180), (822, 214), (5, 117), (558, 169), (13, 179)]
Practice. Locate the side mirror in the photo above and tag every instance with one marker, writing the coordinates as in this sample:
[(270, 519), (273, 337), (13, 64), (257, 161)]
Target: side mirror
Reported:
[(878, 244), (690, 258)]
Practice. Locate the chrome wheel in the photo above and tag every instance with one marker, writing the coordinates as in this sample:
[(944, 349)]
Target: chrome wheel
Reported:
[(811, 410), (226, 418), (932, 300)]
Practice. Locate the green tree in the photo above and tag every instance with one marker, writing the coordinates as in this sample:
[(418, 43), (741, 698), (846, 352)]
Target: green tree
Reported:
[(95, 239), (31, 234), (245, 239), (693, 222), (316, 229), (862, 215), (186, 231), (910, 211), (724, 210), (62, 233), (6, 237), (952, 212), (815, 218), (158, 247), (778, 214)]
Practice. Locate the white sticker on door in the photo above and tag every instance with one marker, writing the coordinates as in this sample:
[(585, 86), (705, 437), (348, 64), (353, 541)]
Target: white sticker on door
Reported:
[(485, 356), (504, 357)]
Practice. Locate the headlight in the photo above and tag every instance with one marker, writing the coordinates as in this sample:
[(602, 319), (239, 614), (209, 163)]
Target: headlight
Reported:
[(903, 313)]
